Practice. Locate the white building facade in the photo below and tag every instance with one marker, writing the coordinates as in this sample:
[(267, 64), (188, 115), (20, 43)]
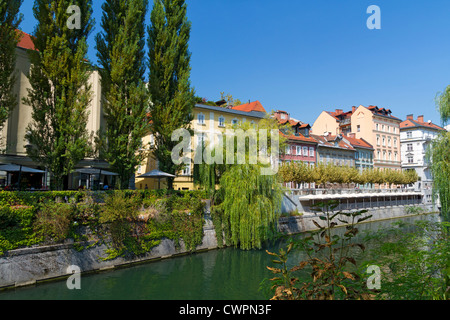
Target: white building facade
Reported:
[(415, 139)]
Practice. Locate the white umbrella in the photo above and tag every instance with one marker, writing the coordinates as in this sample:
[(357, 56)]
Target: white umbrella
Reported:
[(96, 171), (19, 168), (93, 171), (157, 174)]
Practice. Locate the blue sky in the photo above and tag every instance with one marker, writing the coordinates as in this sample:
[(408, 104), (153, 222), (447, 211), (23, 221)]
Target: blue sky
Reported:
[(305, 56)]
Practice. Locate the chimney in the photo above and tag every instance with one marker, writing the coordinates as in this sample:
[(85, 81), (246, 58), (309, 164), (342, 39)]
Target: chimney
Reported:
[(420, 118), (353, 109), (410, 117), (338, 111)]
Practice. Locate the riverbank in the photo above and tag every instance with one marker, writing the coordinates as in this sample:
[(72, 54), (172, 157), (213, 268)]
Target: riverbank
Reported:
[(29, 266)]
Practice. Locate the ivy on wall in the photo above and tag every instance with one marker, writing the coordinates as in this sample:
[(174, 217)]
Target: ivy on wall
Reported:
[(128, 222)]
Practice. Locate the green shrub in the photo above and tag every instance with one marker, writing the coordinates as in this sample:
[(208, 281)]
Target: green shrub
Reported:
[(53, 220), (118, 213)]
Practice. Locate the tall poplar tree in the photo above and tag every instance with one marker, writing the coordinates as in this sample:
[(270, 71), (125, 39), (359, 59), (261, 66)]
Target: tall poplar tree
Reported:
[(60, 92), (121, 54), (9, 37), (169, 81)]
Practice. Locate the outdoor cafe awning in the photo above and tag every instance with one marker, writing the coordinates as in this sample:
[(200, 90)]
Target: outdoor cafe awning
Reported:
[(92, 171), (157, 174), (18, 168)]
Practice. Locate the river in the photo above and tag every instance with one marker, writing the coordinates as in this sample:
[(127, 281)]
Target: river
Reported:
[(223, 274)]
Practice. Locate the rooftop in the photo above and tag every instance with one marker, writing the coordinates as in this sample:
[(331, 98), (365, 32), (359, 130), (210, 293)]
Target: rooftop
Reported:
[(251, 106), (419, 123), (252, 113), (358, 143), (331, 141), (25, 41)]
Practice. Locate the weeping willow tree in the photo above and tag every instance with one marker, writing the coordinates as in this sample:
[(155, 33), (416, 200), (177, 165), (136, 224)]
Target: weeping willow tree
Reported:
[(246, 202), (438, 156)]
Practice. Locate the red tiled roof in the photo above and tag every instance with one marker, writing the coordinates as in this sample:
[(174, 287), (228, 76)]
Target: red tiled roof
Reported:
[(379, 111), (328, 141), (343, 114), (298, 137), (361, 143), (294, 123), (252, 106), (382, 111), (415, 123), (26, 41)]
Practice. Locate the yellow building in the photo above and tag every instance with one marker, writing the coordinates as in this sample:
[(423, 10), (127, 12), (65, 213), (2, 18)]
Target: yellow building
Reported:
[(375, 125), (207, 120), (12, 134)]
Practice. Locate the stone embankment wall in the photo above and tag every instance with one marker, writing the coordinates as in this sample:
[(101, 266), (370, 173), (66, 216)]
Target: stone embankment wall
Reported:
[(32, 265)]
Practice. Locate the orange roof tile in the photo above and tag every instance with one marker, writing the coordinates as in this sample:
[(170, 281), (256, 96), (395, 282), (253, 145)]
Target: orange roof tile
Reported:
[(299, 137), (328, 142), (358, 142), (25, 41), (415, 123), (252, 106)]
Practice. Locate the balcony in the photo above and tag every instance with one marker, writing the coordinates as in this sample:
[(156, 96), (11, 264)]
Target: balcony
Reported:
[(345, 122), (390, 162)]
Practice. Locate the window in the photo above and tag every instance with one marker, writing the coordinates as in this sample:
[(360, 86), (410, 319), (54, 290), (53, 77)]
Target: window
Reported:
[(410, 159), (200, 139), (311, 152), (299, 150), (378, 155), (395, 142), (358, 128), (409, 147), (409, 134), (378, 140), (384, 155), (288, 149), (389, 141), (384, 141), (356, 155), (390, 156), (305, 151), (377, 126), (201, 119), (187, 170), (234, 121), (395, 156), (221, 121)]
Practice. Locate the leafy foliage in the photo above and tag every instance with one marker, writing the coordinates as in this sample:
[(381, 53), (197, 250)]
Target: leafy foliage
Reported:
[(329, 255), (330, 173), (53, 221), (169, 80), (121, 55), (60, 92), (439, 157), (414, 264), (133, 222), (246, 204), (9, 22)]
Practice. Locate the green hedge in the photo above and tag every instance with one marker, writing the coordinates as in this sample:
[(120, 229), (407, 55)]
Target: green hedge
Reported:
[(33, 198), (22, 223), (16, 228)]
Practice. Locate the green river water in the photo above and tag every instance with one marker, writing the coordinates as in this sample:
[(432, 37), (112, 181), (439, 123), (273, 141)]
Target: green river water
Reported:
[(223, 274)]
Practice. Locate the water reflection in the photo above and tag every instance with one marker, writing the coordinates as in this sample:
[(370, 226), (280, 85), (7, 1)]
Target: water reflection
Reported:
[(229, 274)]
